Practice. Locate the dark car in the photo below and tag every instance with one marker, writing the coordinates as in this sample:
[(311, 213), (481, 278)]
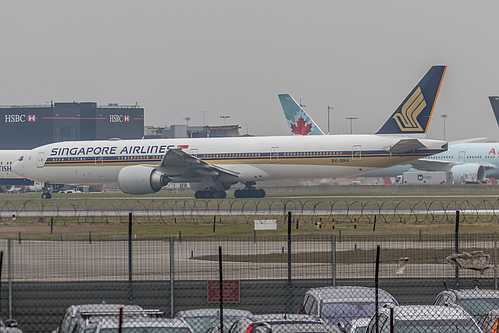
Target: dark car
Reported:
[(476, 302), (489, 322), (340, 305)]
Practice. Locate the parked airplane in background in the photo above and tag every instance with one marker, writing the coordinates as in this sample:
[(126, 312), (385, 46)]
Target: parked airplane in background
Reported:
[(299, 122), (9, 179), (470, 162), (213, 165)]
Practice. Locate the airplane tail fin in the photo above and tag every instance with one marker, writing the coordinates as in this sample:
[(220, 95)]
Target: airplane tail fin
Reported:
[(414, 114), (299, 121), (494, 102)]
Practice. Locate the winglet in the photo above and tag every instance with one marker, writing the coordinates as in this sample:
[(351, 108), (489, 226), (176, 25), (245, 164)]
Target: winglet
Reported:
[(299, 121), (414, 114), (494, 102)]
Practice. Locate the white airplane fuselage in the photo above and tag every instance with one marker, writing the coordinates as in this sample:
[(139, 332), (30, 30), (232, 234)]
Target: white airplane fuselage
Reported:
[(251, 158)]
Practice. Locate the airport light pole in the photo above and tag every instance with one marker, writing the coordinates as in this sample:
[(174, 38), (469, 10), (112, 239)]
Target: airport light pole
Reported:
[(328, 121), (225, 118), (351, 118), (444, 116), (204, 117), (187, 120)]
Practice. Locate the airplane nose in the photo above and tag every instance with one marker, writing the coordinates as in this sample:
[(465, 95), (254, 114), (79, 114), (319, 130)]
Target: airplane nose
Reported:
[(18, 168)]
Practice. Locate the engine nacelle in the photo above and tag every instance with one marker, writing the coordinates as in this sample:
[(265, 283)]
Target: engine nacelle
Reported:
[(468, 173), (5, 189), (139, 179)]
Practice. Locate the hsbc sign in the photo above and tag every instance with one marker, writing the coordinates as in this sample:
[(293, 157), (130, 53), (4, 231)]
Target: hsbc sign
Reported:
[(119, 118), (19, 118)]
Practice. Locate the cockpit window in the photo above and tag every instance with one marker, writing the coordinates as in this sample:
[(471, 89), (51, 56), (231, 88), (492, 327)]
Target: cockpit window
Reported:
[(21, 158)]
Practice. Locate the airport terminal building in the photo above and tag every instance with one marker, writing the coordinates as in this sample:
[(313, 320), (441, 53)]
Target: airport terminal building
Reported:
[(26, 127)]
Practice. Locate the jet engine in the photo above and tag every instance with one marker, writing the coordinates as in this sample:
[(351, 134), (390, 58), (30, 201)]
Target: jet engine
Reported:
[(5, 189), (468, 173), (139, 179)]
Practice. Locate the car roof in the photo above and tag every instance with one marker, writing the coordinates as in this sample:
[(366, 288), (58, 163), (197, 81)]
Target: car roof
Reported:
[(113, 322), (308, 327), (421, 312), (473, 293), (360, 322), (75, 309), (345, 294), (212, 312), (285, 317)]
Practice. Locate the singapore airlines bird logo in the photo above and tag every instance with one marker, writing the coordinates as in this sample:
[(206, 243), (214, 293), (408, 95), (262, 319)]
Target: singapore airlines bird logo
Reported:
[(407, 119)]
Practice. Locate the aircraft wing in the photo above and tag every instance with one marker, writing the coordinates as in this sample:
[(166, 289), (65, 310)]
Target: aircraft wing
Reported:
[(482, 139), (177, 163), (440, 165), (405, 146)]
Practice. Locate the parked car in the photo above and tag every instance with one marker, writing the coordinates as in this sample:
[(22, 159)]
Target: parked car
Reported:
[(90, 321), (424, 318), (142, 324), (73, 313), (250, 324), (202, 319), (9, 326), (476, 302), (295, 328), (216, 328), (340, 305), (356, 326), (489, 322)]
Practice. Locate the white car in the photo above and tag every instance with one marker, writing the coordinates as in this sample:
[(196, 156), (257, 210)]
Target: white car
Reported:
[(423, 318)]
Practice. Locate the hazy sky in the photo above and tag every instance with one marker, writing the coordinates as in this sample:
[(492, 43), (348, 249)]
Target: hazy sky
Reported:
[(179, 58)]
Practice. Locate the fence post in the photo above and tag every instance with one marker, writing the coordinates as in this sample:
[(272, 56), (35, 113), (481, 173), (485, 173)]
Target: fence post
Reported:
[(289, 248), (495, 259), (376, 285), (221, 290), (290, 291), (172, 277), (456, 247), (130, 260), (333, 258), (9, 267)]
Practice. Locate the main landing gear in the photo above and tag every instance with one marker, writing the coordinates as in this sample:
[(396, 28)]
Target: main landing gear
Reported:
[(250, 191), (46, 192), (210, 194)]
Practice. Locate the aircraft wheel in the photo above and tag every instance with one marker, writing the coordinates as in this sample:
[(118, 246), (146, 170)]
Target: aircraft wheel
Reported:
[(261, 193), (238, 194), (46, 195), (199, 194)]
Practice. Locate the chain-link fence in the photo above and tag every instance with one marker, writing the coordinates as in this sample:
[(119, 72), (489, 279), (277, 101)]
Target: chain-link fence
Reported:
[(262, 275)]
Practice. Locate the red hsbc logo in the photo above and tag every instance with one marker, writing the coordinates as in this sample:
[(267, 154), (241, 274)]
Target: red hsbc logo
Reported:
[(118, 118), (19, 118)]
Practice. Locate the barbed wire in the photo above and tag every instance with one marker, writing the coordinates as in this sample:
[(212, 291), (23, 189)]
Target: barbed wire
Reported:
[(200, 211)]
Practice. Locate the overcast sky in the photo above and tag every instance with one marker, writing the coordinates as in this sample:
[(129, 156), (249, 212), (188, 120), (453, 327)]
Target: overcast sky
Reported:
[(179, 58)]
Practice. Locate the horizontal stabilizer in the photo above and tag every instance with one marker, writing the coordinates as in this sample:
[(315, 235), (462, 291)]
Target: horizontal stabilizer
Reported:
[(406, 146)]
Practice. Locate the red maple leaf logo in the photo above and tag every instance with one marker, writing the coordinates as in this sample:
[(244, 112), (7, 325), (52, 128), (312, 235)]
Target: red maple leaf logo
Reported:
[(301, 128)]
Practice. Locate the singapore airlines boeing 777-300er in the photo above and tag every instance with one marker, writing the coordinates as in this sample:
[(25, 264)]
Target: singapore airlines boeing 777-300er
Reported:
[(213, 165)]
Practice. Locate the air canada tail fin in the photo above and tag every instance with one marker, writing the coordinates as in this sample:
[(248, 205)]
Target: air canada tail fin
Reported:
[(414, 114), (494, 102), (299, 121)]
